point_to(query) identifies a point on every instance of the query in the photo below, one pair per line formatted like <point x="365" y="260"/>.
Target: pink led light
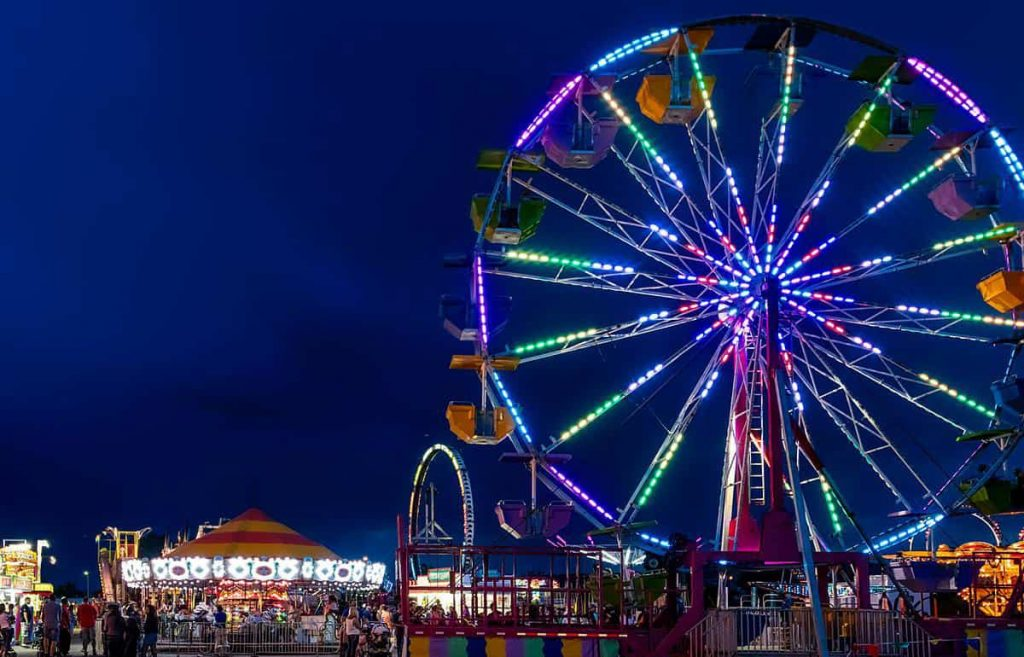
<point x="552" y="105"/>
<point x="481" y="303"/>
<point x="946" y="86"/>
<point x="569" y="485"/>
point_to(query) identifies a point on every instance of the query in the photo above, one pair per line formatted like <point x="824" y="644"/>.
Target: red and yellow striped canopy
<point x="253" y="534"/>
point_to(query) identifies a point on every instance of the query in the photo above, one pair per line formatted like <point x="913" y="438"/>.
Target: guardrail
<point x="726" y="632"/>
<point x="292" y="637"/>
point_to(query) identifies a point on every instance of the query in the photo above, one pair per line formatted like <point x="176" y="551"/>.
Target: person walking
<point x="132" y="632"/>
<point x="352" y="631"/>
<point x="64" y="643"/>
<point x="6" y="631"/>
<point x="150" y="631"/>
<point x="113" y="631"/>
<point x="87" y="625"/>
<point x="50" y="614"/>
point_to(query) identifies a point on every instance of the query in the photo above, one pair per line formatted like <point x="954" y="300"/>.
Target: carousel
<point x="250" y="565"/>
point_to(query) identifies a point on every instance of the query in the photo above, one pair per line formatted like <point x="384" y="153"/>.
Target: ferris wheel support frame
<point x="623" y="225"/>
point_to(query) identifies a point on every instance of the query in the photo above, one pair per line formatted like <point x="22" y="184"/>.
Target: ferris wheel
<point x="789" y="213"/>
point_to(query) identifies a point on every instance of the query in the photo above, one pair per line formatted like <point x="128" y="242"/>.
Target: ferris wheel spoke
<point x="554" y="478"/>
<point x="719" y="181"/>
<point x="674" y="436"/>
<point x="852" y="418"/>
<point x="887" y="264"/>
<point x="882" y="266"/>
<point x="612" y="282"/>
<point x="583" y="422"/>
<point x="660" y="191"/>
<point x="802" y="217"/>
<point x="903" y="318"/>
<point x="568" y="267"/>
<point x="649" y="168"/>
<point x="589" y="338"/>
<point x="772" y="145"/>
<point x="905" y="383"/>
<point x="658" y="245"/>
<point x="897" y="191"/>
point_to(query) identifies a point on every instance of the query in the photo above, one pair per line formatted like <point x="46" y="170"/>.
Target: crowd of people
<point x="362" y="630"/>
<point x="359" y="629"/>
<point x="123" y="631"/>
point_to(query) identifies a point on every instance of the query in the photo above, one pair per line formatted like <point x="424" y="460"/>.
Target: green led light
<point x="560" y="340"/>
<point x="699" y="74"/>
<point x="584" y="421"/>
<point x="659" y="468"/>
<point x="831" y="503"/>
<point x="536" y="257"/>
<point x="959" y="396"/>
<point x="867" y="114"/>
<point x="967" y="317"/>
<point x="1002" y="231"/>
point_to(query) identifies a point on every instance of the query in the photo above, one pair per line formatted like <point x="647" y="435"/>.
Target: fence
<point x="292" y="637"/>
<point x="725" y="632"/>
<point x="495" y="588"/>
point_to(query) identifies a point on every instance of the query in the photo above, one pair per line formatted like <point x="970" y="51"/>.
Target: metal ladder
<point x="756" y="480"/>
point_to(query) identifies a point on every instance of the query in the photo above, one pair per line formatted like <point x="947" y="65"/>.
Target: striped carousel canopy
<point x="251" y="534"/>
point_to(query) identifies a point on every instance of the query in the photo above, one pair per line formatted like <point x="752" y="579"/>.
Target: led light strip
<point x="653" y="153"/>
<point x="964" y="102"/>
<point x="884" y="89"/>
<point x="590" y="417"/>
<point x="1002" y="231"/>
<point x="584" y="421"/>
<point x="481" y="302"/>
<point x="921" y="175"/>
<point x="715" y="261"/>
<point x="644" y="141"/>
<point x="712" y="281"/>
<point x="556" y="341"/>
<point x="665" y="458"/>
<point x="512" y="407"/>
<point x="835" y="327"/>
<point x="801" y="225"/>
<point x="982" y="319"/>
<point x="1009" y="157"/>
<point x="946" y="86"/>
<point x="905" y="534"/>
<point x="920" y="310"/>
<point x="632" y="47"/>
<point x="810" y="255"/>
<point x="819" y="296"/>
<point x="830" y="503"/>
<point x="741" y="212"/>
<point x="836" y="271"/>
<point x="551" y="106"/>
<point x="784" y="116"/>
<point x="565" y="482"/>
<point x="957" y="395"/>
<point x="580" y="493"/>
<point x="805" y="219"/>
<point x="566" y="261"/>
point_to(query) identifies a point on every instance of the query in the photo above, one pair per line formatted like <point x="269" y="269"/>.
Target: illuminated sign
<point x="357" y="572"/>
<point x="18" y="560"/>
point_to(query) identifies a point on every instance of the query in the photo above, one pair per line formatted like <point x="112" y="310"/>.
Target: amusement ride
<point x="813" y="281"/>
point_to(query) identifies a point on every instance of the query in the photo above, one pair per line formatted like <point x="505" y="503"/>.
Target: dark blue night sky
<point x="224" y="225"/>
